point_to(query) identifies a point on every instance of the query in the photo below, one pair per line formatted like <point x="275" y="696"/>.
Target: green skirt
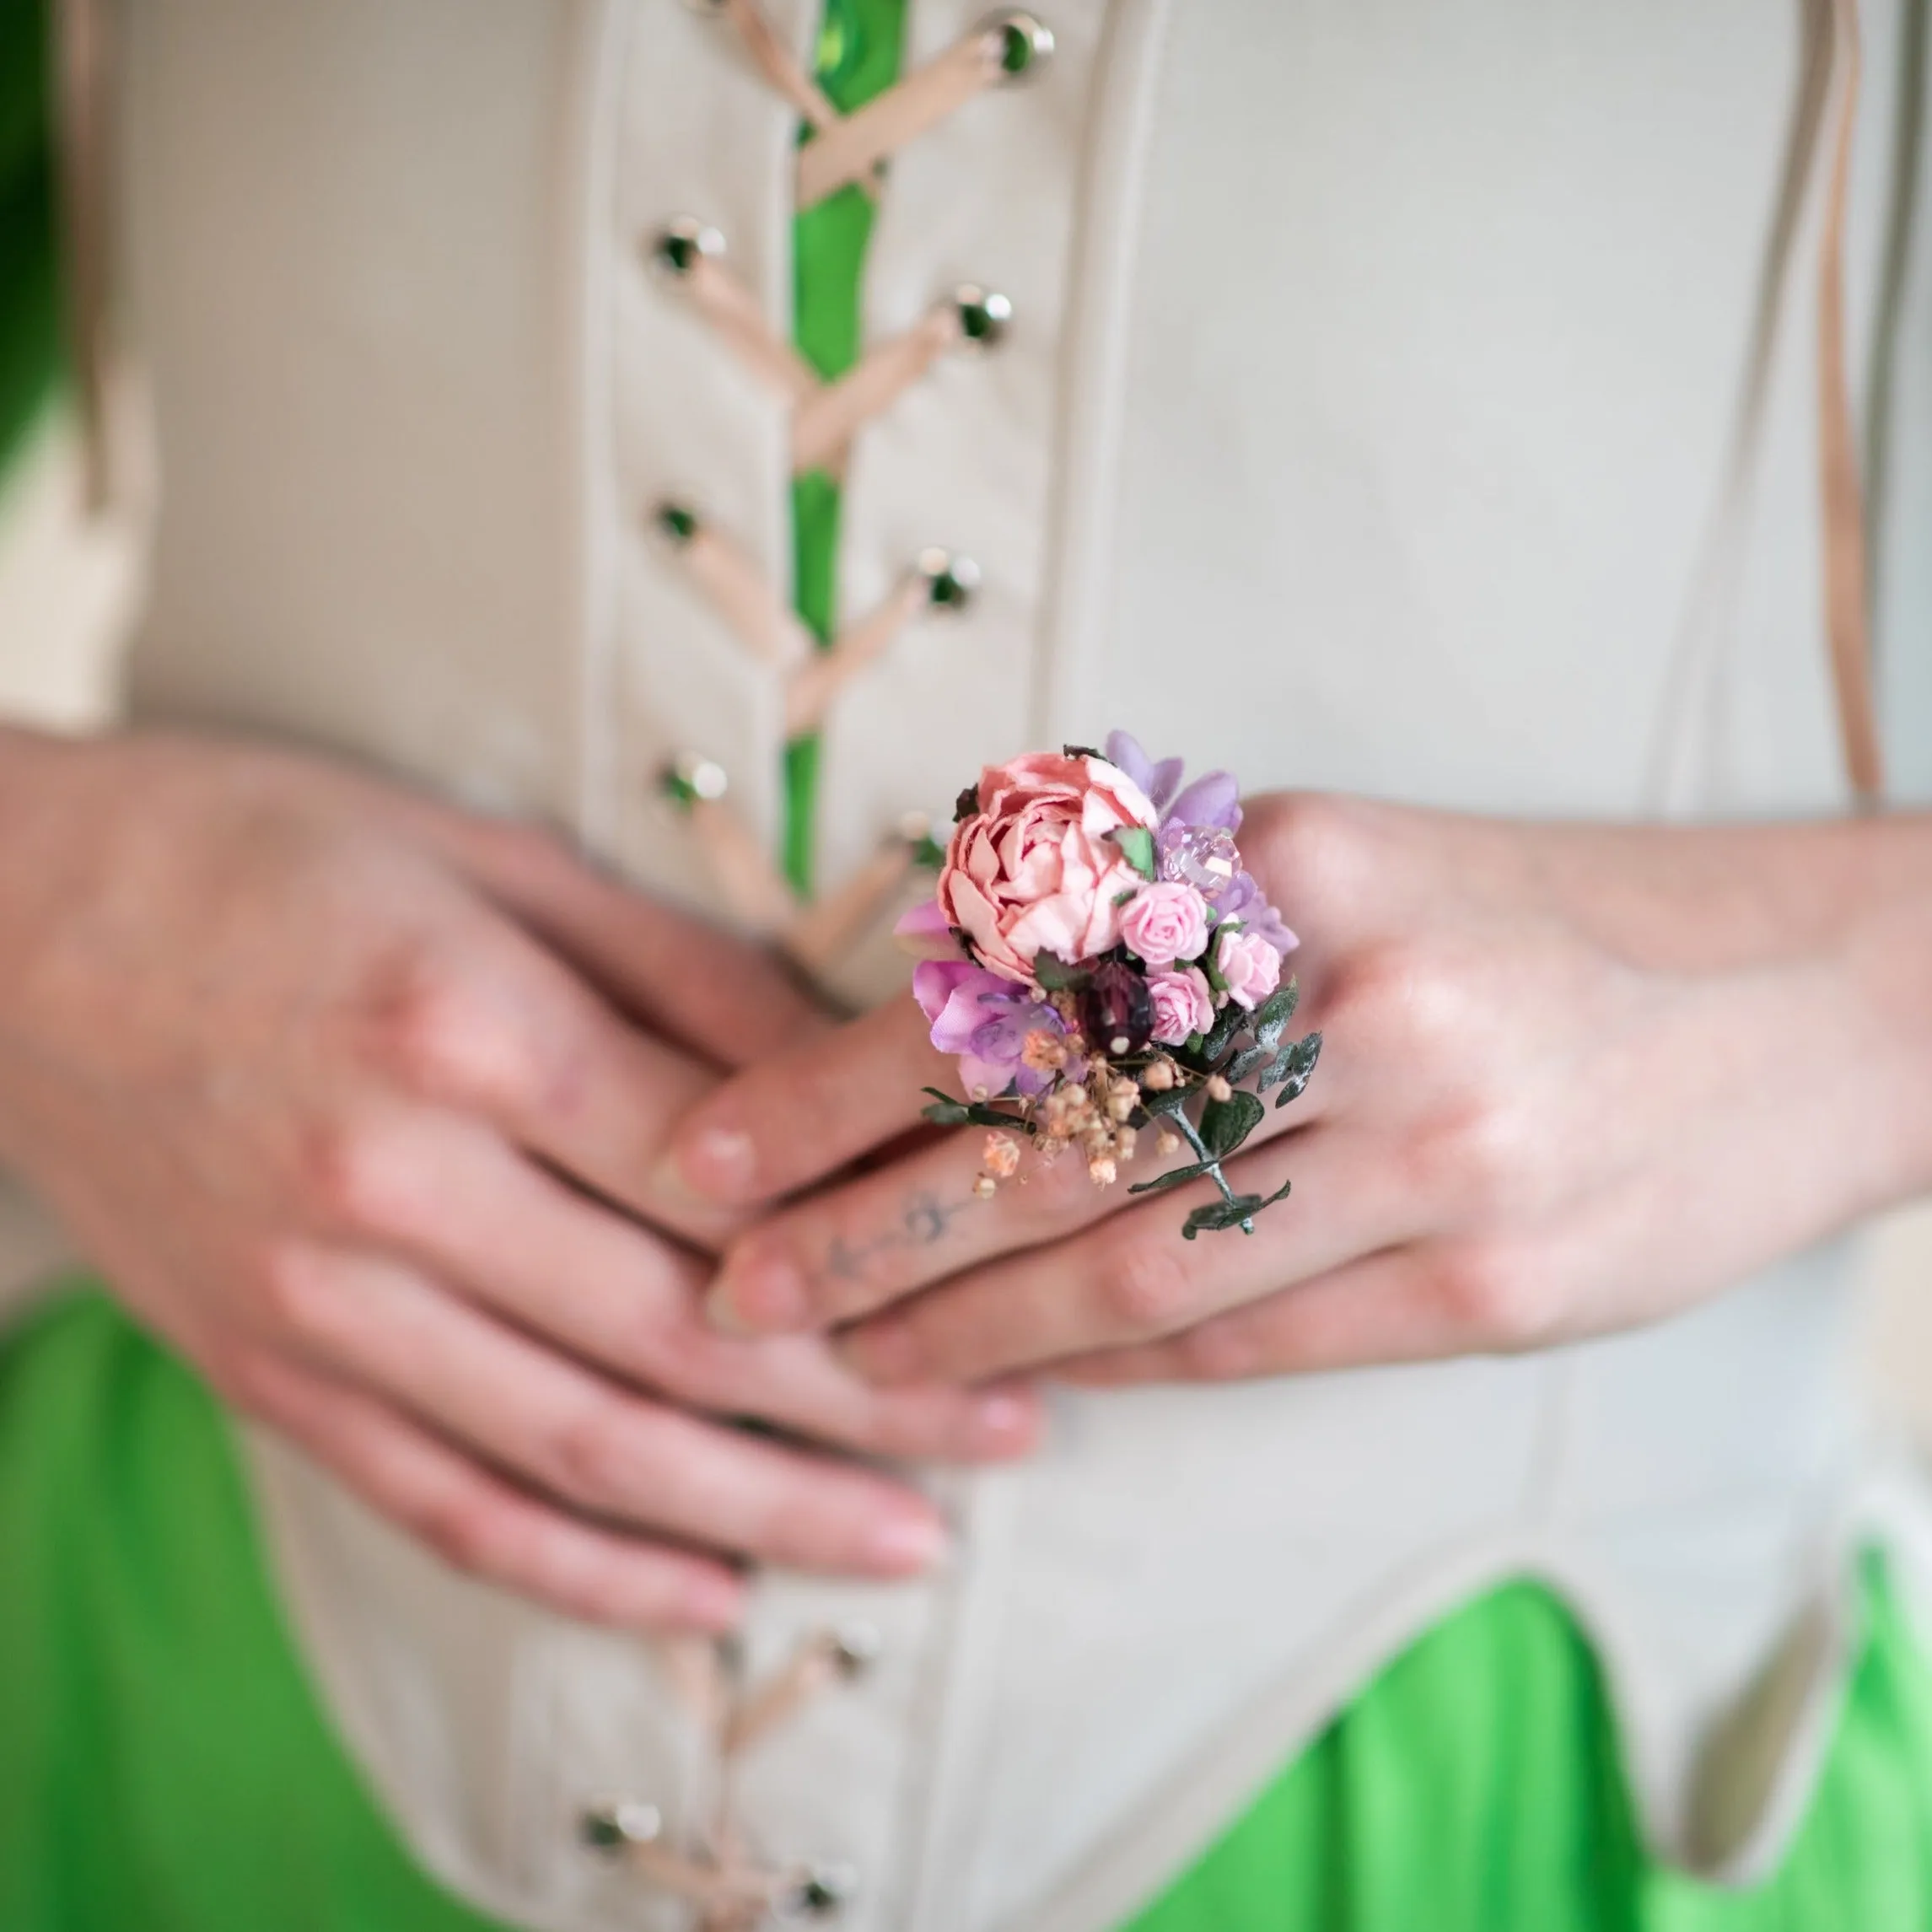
<point x="165" y="1766"/>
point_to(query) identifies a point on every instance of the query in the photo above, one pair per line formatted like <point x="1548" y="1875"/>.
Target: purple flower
<point x="1212" y="799"/>
<point x="984" y="1019"/>
<point x="1195" y="845"/>
<point x="1243" y="901"/>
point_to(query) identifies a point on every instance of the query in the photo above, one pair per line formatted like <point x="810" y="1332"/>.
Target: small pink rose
<point x="1183" y="1005"/>
<point x="1165" y="922"/>
<point x="1249" y="967"/>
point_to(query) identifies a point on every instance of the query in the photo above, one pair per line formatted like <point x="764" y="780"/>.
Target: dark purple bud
<point x="1117" y="1011"/>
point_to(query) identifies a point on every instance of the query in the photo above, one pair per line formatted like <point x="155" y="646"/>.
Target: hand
<point x="354" y="1100"/>
<point x="1575" y="1079"/>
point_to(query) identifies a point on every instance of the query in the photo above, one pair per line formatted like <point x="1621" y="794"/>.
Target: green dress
<point x="165" y="1764"/>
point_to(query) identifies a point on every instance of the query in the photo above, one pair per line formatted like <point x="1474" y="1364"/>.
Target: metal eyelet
<point x="856" y="1647"/>
<point x="613" y="1824"/>
<point x="1026" y="43"/>
<point x="951" y="580"/>
<point x="817" y="1892"/>
<point x="691" y="777"/>
<point x="676" y="522"/>
<point x="681" y="242"/>
<point x="984" y="315"/>
<point x="709" y="9"/>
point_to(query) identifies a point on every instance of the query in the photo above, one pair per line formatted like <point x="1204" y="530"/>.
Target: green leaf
<point x="946" y="1112"/>
<point x="1053" y="973"/>
<point x="1221" y="1035"/>
<point x="1170" y="1101"/>
<point x="1244" y="1062"/>
<point x="1174" y="1177"/>
<point x="1297" y="1063"/>
<point x="1225" y="1124"/>
<point x="1136" y="843"/>
<point x="1217" y="1215"/>
<point x="1275" y="1012"/>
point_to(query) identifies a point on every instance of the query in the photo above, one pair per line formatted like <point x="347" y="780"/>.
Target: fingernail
<point x="902" y="1544"/>
<point x="762" y="1295"/>
<point x="884" y="1352"/>
<point x="717" y="1165"/>
<point x="1003" y="1420"/>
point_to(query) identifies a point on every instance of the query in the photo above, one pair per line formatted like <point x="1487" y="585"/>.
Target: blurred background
<point x="67" y="587"/>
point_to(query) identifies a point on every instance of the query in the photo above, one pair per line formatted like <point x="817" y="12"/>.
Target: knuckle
<point x="348" y="1174"/>
<point x="1146" y="1284"/>
<point x="469" y="1529"/>
<point x="1473" y="1160"/>
<point x="1224" y="1350"/>
<point x="1317" y="843"/>
<point x="1493" y="1295"/>
<point x="589" y="1456"/>
<point x="1414" y="998"/>
<point x="435" y="1037"/>
<point x="292" y="1288"/>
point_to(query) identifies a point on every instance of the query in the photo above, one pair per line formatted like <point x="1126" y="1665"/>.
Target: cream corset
<point x="1397" y="357"/>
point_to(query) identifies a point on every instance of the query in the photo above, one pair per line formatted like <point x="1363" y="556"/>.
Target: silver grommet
<point x="950" y="579"/>
<point x="613" y="1824"/>
<point x="678" y="246"/>
<point x="707" y="7"/>
<point x="818" y="1891"/>
<point x="856" y="1647"/>
<point x="678" y="523"/>
<point x="690" y="778"/>
<point x="1025" y="42"/>
<point x="984" y="315"/>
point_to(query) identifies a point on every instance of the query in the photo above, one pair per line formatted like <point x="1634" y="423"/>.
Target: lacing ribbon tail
<point x="827" y="930"/>
<point x="773" y="59"/>
<point x="735" y="312"/>
<point x="855" y="145"/>
<point x="752" y="885"/>
<point x="820" y="677"/>
<point x="824" y="422"/>
<point x="1848" y="623"/>
<point x="738" y="590"/>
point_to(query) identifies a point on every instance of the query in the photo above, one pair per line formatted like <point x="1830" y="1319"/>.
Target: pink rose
<point x="1182" y="1005"/>
<point x="1165" y="922"/>
<point x="1033" y="870"/>
<point x="1249" y="965"/>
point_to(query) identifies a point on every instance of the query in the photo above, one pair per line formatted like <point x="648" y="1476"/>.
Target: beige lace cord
<point x="825" y="417"/>
<point x="1848" y="624"/>
<point x="733" y="1891"/>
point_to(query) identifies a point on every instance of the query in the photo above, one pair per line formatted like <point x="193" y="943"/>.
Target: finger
<point x="836" y="1256"/>
<point x="792" y="1119"/>
<point x="495" y="1025"/>
<point x="728" y="1000"/>
<point x="1407" y="1305"/>
<point x="477" y="1522"/>
<point x="470" y="1209"/>
<point x="583" y="1440"/>
<point x="1134" y="1278"/>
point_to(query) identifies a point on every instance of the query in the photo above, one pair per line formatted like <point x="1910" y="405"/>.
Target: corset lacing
<point x="844" y="150"/>
<point x="732" y="1889"/>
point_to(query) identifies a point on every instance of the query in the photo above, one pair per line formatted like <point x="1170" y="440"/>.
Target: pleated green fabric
<point x="165" y="1767"/>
